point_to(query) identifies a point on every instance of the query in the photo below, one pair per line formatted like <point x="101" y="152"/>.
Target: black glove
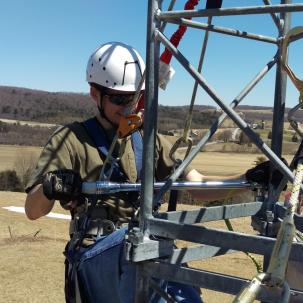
<point x="64" y="185"/>
<point x="213" y="4"/>
<point x="260" y="174"/>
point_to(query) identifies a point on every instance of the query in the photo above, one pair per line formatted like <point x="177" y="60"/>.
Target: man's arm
<point x="36" y="204"/>
<point x="47" y="182"/>
<point x="211" y="194"/>
<point x="63" y="185"/>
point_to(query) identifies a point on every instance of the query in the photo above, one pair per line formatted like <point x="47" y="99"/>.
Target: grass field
<point x="208" y="162"/>
<point x="31" y="267"/>
<point x="12" y="156"/>
<point x="31" y="259"/>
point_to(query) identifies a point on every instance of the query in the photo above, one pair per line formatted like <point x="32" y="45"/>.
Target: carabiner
<point x="177" y="144"/>
<point x="296" y="81"/>
<point x="293" y="122"/>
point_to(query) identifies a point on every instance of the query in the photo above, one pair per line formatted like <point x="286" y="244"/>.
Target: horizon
<point x="168" y="105"/>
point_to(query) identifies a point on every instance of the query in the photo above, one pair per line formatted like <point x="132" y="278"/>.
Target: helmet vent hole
<point x="106" y="81"/>
<point x="90" y="76"/>
<point x="99" y="59"/>
<point x="104" y="68"/>
<point x="92" y="64"/>
<point x="115" y="83"/>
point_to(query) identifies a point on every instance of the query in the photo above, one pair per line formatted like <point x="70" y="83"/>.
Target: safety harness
<point x="83" y="225"/>
<point x="113" y="171"/>
<point x="97" y="134"/>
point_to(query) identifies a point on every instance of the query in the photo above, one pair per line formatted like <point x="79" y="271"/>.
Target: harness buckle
<point x="94" y="227"/>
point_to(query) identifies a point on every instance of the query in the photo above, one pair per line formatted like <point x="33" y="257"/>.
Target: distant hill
<point x="64" y="107"/>
<point x="41" y="106"/>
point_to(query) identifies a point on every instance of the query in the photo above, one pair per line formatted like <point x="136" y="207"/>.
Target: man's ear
<point x="95" y="94"/>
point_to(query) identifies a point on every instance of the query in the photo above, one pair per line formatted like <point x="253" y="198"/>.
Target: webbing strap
<point x="98" y="136"/>
<point x="178" y="34"/>
<point x="138" y="150"/>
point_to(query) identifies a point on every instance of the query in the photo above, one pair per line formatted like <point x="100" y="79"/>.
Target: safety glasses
<point x="121" y="100"/>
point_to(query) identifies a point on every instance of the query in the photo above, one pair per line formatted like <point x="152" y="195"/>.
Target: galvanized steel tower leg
<point x="278" y="121"/>
<point x="279" y="103"/>
<point x="151" y="104"/>
<point x="150" y="125"/>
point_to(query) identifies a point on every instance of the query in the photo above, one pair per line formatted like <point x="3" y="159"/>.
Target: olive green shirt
<point x="71" y="147"/>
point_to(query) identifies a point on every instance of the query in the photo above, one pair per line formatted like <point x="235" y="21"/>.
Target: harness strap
<point x="98" y="136"/>
<point x="175" y="39"/>
<point x="97" y="227"/>
<point x="138" y="150"/>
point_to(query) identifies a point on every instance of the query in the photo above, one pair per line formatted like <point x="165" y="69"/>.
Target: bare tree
<point x="225" y="135"/>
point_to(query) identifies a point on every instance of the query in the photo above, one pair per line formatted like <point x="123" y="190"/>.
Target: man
<point x="96" y="263"/>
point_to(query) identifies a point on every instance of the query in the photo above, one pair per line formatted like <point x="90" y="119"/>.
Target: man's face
<point x="118" y="104"/>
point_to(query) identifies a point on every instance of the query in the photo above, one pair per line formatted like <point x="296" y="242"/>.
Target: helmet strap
<point x="102" y="113"/>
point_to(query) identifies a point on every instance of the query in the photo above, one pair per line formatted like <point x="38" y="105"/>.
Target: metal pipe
<point x="293" y="122"/>
<point x="275" y="18"/>
<point x="213" y="129"/>
<point x="170" y="8"/>
<point x="229" y="11"/>
<point x="220" y="238"/>
<point x="103" y="188"/>
<point x="250" y="292"/>
<point x="209" y="280"/>
<point x="280" y="255"/>
<point x="275" y="275"/>
<point x="150" y="107"/>
<point x="231" y="113"/>
<point x="224" y="30"/>
<point x="279" y="108"/>
<point x="296" y="37"/>
<point x="285" y="293"/>
<point x="161" y="292"/>
<point x="195" y="88"/>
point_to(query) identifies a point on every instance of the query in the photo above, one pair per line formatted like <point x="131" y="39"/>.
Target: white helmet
<point x="117" y="66"/>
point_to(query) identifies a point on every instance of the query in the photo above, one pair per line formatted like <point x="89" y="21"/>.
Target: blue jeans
<point x="104" y="276"/>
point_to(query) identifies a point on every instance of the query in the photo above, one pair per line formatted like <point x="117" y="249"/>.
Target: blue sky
<point x="46" y="44"/>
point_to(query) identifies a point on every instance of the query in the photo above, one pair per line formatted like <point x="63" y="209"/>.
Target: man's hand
<point x="261" y="173"/>
<point x="64" y="185"/>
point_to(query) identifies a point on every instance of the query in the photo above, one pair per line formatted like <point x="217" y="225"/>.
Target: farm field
<point x="31" y="259"/>
<point x="30" y="123"/>
<point x="215" y="163"/>
<point x="12" y="156"/>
